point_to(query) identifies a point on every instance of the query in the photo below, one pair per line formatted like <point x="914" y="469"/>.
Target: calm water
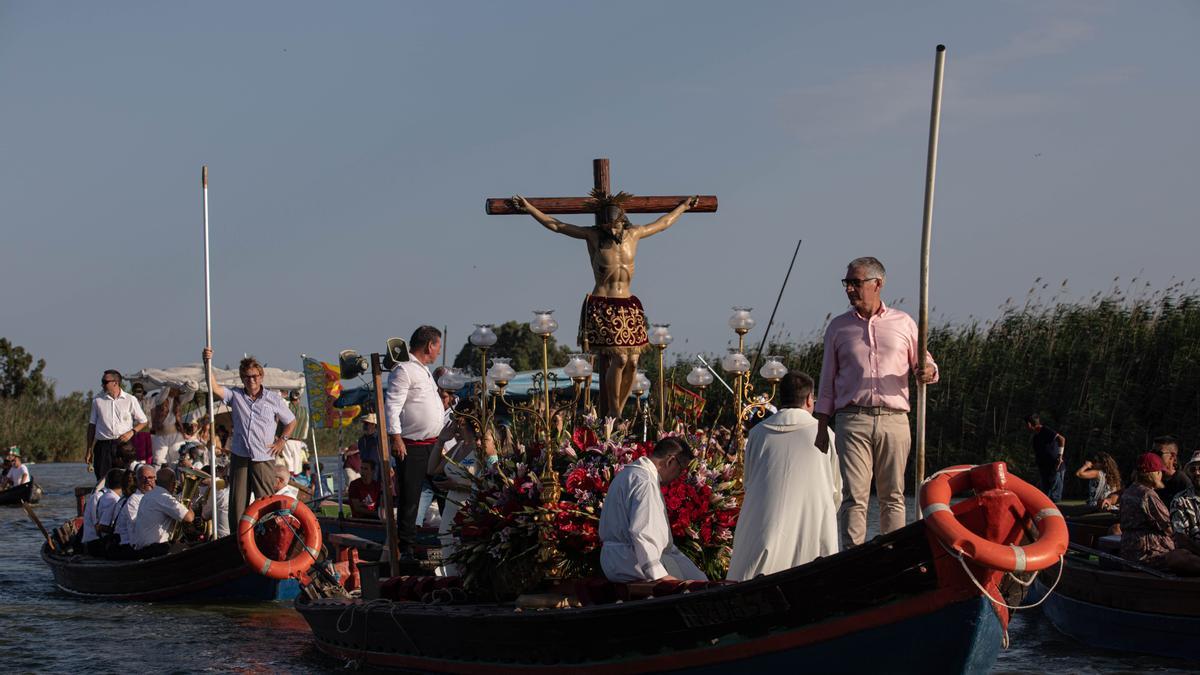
<point x="46" y="630"/>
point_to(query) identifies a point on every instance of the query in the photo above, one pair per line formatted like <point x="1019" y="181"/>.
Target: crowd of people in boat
<point x="137" y="510"/>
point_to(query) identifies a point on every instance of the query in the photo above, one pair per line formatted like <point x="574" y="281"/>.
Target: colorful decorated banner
<point x="685" y="403"/>
<point x="323" y="383"/>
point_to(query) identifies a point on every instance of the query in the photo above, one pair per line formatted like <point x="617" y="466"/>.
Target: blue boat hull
<point x="1123" y="630"/>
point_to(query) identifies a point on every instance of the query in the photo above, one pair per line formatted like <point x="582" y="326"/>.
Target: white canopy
<point x="188" y="378"/>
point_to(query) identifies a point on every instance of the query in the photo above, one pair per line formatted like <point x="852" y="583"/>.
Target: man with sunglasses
<point x="116" y="417"/>
<point x="257" y="412"/>
<point x="869" y="353"/>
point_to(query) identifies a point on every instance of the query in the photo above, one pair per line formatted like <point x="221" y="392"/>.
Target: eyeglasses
<point x="147" y="479"/>
<point x="857" y="283"/>
<point x="252" y="377"/>
<point x="109" y="381"/>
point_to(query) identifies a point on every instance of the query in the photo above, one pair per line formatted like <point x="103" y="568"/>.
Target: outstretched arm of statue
<point x="550" y="223"/>
<point x="667" y="220"/>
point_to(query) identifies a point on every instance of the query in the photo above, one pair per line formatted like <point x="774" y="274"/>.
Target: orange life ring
<point x="279" y="569"/>
<point x="1052" y="538"/>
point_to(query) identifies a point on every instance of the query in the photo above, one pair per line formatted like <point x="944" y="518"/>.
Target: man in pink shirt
<point x="869" y="353"/>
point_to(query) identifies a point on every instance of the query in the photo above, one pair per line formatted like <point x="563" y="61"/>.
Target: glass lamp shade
<point x="641" y="383"/>
<point x="483" y="335"/>
<point x="741" y="321"/>
<point x="699" y="377"/>
<point x="773" y="370"/>
<point x="735" y="362"/>
<point x="578" y="367"/>
<point x="501" y="371"/>
<point x="451" y="380"/>
<point x="660" y="334"/>
<point x="543" y="322"/>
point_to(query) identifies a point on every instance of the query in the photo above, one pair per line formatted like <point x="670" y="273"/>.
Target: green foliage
<point x="514" y="340"/>
<point x="47" y="429"/>
<point x="18" y="376"/>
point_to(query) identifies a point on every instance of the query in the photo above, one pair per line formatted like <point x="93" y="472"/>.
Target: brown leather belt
<point x="874" y="411"/>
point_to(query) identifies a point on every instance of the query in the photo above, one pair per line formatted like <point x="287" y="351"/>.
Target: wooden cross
<point x="600" y="179"/>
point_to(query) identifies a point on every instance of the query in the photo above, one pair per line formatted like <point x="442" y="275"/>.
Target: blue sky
<point x="351" y="146"/>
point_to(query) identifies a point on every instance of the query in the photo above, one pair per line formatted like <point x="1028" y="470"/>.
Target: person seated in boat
<point x="365" y="492"/>
<point x="1185" y="509"/>
<point x="107" y="512"/>
<point x="283" y="480"/>
<point x="793" y="489"/>
<point x="205" y="505"/>
<point x="18" y="473"/>
<point x="1174" y="480"/>
<point x="1146" y="533"/>
<point x="158" y="511"/>
<point x="145" y="478"/>
<point x="1104" y="488"/>
<point x="635" y="533"/>
<point x="90" y="517"/>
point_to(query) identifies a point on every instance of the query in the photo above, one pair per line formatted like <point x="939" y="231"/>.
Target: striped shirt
<point x="1185" y="514"/>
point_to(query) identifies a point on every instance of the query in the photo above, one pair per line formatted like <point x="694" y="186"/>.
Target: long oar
<point x="935" y="123"/>
<point x="771" y="321"/>
<point x="38" y="521"/>
<point x="212" y="417"/>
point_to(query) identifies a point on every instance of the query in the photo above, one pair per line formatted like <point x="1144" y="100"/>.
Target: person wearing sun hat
<point x="18" y="473"/>
<point x="1146" y="533"/>
<point x="1185" y="509"/>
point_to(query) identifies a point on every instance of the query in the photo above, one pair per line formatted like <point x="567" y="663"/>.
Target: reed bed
<point x="1110" y="372"/>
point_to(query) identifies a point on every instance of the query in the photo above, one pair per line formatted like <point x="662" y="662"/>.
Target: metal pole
<point x="778" y="298"/>
<point x="212" y="417"/>
<point x="385" y="468"/>
<point x="935" y="122"/>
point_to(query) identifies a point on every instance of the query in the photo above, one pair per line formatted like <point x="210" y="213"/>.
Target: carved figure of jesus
<point x="613" y="323"/>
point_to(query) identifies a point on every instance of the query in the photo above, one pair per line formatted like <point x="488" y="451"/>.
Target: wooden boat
<point x="901" y="603"/>
<point x="30" y="493"/>
<point x="1106" y="603"/>
<point x="208" y="571"/>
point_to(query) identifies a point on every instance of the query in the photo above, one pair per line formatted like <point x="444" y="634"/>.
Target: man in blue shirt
<point x="257" y="412"/>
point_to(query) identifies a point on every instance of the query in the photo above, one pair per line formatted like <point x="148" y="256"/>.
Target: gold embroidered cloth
<point x="612" y="325"/>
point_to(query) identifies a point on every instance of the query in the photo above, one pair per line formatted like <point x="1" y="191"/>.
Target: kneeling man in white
<point x="793" y="490"/>
<point x="634" y="531"/>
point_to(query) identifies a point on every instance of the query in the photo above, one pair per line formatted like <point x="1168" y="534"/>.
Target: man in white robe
<point x="634" y="530"/>
<point x="793" y="490"/>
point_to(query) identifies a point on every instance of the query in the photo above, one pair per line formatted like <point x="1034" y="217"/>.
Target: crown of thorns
<point x="602" y="200"/>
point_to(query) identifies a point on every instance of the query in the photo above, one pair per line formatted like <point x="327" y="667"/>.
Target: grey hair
<point x="870" y="265"/>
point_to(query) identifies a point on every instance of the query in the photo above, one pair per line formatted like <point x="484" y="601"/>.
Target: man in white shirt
<point x="116" y="417"/>
<point x="414" y="420"/>
<point x="127" y="512"/>
<point x="635" y="533"/>
<point x="158" y="512"/>
<point x="106" y="510"/>
<point x="91" y="515"/>
<point x="793" y="489"/>
<point x="18" y="473"/>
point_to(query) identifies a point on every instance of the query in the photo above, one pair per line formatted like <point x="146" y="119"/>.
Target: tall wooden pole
<point x="935" y="123"/>
<point x="212" y="415"/>
<point x="385" y="468"/>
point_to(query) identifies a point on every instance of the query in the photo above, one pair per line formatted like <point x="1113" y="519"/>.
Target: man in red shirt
<point x="365" y="493"/>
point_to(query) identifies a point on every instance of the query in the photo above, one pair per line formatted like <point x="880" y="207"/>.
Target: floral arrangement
<point x="509" y="539"/>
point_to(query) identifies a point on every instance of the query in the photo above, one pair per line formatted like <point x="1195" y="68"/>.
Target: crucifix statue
<point x="612" y="324"/>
